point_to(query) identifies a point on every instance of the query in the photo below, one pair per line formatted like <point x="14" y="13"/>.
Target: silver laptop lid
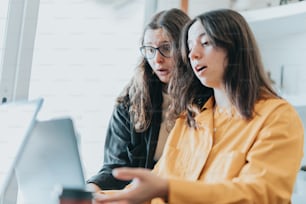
<point x="16" y="121"/>
<point x="50" y="160"/>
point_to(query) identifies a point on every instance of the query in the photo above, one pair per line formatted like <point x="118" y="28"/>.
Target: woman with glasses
<point x="138" y="129"/>
<point x="244" y="145"/>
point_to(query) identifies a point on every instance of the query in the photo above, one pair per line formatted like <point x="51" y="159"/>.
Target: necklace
<point x="229" y="111"/>
<point x="223" y="119"/>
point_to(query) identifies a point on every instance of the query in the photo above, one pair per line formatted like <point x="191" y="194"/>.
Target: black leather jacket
<point x="125" y="147"/>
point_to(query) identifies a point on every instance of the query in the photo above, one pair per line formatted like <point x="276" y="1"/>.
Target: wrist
<point x="164" y="189"/>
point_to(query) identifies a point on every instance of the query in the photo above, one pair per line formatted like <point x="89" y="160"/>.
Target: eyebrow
<point x="199" y="36"/>
<point x="202" y="34"/>
<point x="159" y="43"/>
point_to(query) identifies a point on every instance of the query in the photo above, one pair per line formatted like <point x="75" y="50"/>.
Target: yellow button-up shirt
<point x="239" y="161"/>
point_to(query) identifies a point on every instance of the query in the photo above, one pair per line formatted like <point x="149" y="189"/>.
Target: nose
<point x="194" y="53"/>
<point x="158" y="58"/>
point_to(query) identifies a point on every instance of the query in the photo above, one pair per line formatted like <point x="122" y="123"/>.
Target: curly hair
<point x="143" y="94"/>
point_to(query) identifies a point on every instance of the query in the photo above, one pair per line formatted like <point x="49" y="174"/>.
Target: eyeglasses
<point x="149" y="52"/>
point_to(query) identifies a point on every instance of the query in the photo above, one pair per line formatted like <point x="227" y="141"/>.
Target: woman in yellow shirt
<point x="242" y="145"/>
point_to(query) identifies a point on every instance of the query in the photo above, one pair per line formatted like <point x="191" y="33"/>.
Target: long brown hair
<point x="245" y="78"/>
<point x="143" y="94"/>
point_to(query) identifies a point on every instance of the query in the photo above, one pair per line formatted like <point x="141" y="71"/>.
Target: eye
<point x="166" y="47"/>
<point x="150" y="50"/>
<point x="205" y="43"/>
<point x="204" y="40"/>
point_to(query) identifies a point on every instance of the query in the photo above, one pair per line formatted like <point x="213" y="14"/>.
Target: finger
<point x="130" y="173"/>
<point x="114" y="198"/>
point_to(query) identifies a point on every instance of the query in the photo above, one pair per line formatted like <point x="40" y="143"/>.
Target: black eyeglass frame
<point x="142" y="51"/>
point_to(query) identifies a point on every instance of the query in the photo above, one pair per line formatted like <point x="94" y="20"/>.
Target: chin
<point x="204" y="83"/>
<point x="164" y="80"/>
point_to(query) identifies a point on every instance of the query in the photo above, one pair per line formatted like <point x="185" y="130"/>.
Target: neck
<point x="221" y="98"/>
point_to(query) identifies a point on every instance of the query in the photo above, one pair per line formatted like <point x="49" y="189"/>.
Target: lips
<point x="200" y="68"/>
<point x="162" y="71"/>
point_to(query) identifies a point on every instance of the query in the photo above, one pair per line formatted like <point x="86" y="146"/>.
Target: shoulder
<point x="273" y="104"/>
<point x="121" y="109"/>
<point x="276" y="108"/>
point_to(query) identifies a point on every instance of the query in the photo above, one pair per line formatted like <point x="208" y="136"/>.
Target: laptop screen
<point x="16" y="120"/>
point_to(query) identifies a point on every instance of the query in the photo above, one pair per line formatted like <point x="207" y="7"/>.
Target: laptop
<point x="50" y="161"/>
<point x="16" y="121"/>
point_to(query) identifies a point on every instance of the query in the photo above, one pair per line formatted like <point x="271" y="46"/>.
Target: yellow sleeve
<point x="268" y="176"/>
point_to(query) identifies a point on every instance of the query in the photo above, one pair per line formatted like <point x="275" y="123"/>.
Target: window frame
<point x="18" y="44"/>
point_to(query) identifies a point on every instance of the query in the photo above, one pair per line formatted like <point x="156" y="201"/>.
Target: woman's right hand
<point x="144" y="187"/>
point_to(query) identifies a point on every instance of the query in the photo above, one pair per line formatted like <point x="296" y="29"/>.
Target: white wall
<point x="197" y="7"/>
<point x="290" y="53"/>
<point x="85" y="52"/>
